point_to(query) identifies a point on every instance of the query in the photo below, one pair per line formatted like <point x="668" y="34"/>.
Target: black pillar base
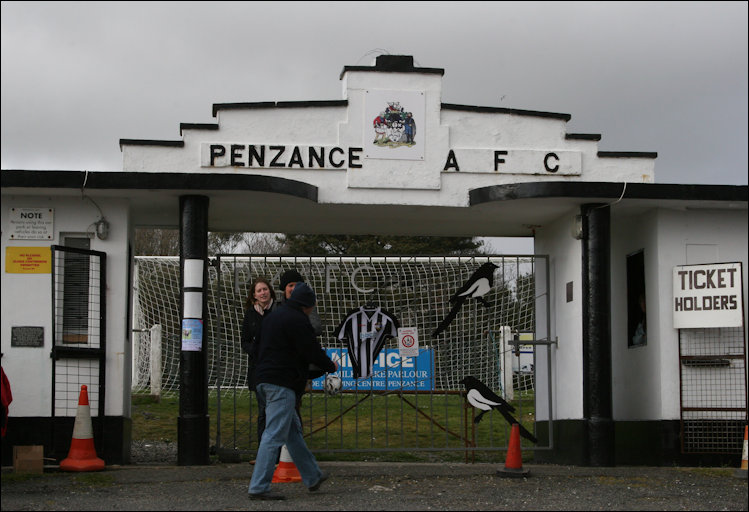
<point x="192" y="439"/>
<point x="601" y="446"/>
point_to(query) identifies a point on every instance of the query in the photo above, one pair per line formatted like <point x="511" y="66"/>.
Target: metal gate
<point x="407" y="405"/>
<point x="79" y="338"/>
<point x="713" y="389"/>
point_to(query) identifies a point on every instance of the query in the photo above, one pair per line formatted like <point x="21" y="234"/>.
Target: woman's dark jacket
<point x="250" y="334"/>
<point x="287" y="346"/>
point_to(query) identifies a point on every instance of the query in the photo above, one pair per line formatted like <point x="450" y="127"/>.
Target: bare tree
<point x="165" y="242"/>
<point x="156" y="242"/>
<point x="379" y="244"/>
<point x="263" y="243"/>
<point x="224" y="242"/>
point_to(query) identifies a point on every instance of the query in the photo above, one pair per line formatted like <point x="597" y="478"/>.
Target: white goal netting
<point x="415" y="289"/>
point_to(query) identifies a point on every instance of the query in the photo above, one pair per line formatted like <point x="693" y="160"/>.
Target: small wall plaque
<point x="31" y="223"/>
<point x="27" y="336"/>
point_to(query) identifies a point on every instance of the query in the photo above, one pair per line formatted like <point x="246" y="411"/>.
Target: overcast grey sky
<point x="668" y="77"/>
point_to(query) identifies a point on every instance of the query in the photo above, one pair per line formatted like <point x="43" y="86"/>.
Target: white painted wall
<point x="636" y="371"/>
<point x="26" y="301"/>
<point x="566" y="321"/>
<point x="391" y="181"/>
<point x="678" y="233"/>
<point x="646" y="378"/>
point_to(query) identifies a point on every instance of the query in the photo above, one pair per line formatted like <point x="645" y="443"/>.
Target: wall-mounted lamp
<point x="577" y="228"/>
<point x="102" y="228"/>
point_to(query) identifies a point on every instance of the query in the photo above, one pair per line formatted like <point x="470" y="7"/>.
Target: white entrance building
<point x="390" y="158"/>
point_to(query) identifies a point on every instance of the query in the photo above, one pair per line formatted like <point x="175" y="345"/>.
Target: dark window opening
<point x="75" y="304"/>
<point x="636" y="305"/>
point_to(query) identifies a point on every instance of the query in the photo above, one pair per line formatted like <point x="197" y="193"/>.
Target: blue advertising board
<point x="388" y="372"/>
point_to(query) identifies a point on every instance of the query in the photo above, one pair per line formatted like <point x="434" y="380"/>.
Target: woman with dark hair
<point x="260" y="302"/>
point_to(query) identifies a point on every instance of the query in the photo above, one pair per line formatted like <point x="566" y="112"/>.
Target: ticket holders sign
<point x="708" y="296"/>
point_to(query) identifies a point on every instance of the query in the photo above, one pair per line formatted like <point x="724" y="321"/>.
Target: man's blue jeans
<point x="282" y="427"/>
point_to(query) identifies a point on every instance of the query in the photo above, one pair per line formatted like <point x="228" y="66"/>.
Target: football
<point x="332" y="384"/>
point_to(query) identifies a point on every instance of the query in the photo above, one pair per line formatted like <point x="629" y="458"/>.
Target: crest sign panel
<point x="394" y="125"/>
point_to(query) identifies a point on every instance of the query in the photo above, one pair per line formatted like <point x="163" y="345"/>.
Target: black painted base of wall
<point x="55" y="434"/>
<point x="636" y="443"/>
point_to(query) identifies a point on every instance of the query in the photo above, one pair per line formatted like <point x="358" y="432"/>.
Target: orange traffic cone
<point x="514" y="461"/>
<point x="82" y="454"/>
<point x="742" y="471"/>
<point x="286" y="471"/>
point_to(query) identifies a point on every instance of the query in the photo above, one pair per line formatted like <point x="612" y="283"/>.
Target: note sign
<point x="31" y="223"/>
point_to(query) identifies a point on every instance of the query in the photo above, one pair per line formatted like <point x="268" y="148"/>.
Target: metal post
<point x="192" y="424"/>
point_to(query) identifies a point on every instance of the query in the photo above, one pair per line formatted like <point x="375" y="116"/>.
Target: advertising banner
<point x="389" y="371"/>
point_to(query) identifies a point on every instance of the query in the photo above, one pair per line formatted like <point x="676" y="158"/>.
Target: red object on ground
<point x="82" y="454"/>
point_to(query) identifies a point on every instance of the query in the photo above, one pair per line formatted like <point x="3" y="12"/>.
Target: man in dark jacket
<point x="289" y="279"/>
<point x="287" y="348"/>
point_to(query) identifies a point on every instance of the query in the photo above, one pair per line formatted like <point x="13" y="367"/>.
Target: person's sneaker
<point x="267" y="495"/>
<point x="317" y="485"/>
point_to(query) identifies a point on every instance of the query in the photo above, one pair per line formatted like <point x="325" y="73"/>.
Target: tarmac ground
<point x="368" y="486"/>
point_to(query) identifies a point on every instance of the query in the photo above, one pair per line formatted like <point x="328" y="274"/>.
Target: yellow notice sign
<point x="28" y="260"/>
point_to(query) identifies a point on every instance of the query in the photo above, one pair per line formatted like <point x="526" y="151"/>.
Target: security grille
<point x="713" y="389"/>
<point x="78" y="331"/>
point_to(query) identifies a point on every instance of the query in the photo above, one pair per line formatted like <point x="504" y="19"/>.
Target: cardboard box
<point x="28" y="459"/>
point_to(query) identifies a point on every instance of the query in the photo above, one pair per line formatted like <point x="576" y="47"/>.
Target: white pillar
<point x="506" y="349"/>
<point x="156" y="360"/>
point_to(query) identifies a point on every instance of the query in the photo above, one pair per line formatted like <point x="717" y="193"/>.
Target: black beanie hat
<point x="290" y="276"/>
<point x="303" y="295"/>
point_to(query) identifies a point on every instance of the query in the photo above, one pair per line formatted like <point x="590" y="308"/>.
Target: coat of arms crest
<point x="394" y="127"/>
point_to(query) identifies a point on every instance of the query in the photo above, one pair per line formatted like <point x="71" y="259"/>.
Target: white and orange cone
<point x="514" y="460"/>
<point x="82" y="454"/>
<point x="286" y="471"/>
